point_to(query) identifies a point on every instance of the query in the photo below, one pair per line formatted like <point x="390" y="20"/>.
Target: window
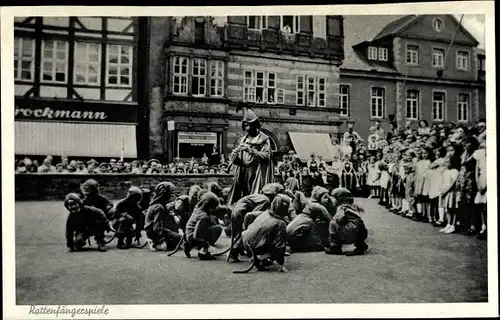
<point x="438" y="25"/>
<point x="257" y="22"/>
<point x="290" y="24"/>
<point x="24" y="59"/>
<point x="462" y="60"/>
<point x="372" y="53"/>
<point x="377" y="102"/>
<point x="119" y="67"/>
<point x="438" y="106"/>
<point x="311" y="91"/>
<point x="249" y="86"/>
<point x="217" y="78"/>
<point x="55" y="61"/>
<point x="87" y="63"/>
<point x="438" y="58"/>
<point x="300" y="91"/>
<point x="321" y="92"/>
<point x="199" y="77"/>
<point x="412" y="103"/>
<point x="481" y="64"/>
<point x="411" y="55"/>
<point x="463" y="107"/>
<point x="260" y="87"/>
<point x="271" y="87"/>
<point x="383" y="54"/>
<point x="344" y="100"/>
<point x="180" y="75"/>
<point x="280" y="96"/>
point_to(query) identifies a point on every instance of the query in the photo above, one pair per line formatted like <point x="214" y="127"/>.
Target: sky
<point x="474" y="23"/>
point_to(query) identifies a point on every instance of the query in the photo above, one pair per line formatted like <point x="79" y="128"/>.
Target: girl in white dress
<point x="450" y="195"/>
<point x="373" y="176"/>
<point x="421" y="171"/>
<point x="433" y="185"/>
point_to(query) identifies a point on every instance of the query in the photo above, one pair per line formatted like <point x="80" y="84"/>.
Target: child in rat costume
<point x="200" y="228"/>
<point x="159" y="227"/>
<point x="266" y="236"/>
<point x="124" y="214"/>
<point x="302" y="232"/>
<point x="82" y="223"/>
<point x="250" y="203"/>
<point x="92" y="197"/>
<point x="346" y="226"/>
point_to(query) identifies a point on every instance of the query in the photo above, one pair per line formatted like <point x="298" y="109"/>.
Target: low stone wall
<point x="56" y="186"/>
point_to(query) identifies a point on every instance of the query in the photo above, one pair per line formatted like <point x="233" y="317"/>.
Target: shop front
<point x="196" y="144"/>
<point x="75" y="128"/>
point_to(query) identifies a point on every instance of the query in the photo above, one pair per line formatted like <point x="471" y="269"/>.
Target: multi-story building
<point x="410" y="68"/>
<point x="204" y="69"/>
<point x="77" y="89"/>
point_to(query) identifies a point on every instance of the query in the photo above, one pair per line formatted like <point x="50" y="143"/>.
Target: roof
<point x="481" y="52"/>
<point x="368" y="28"/>
<point x="356" y="31"/>
<point x="394" y="26"/>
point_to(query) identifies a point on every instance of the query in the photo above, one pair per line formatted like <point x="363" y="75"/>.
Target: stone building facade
<point x="204" y="70"/>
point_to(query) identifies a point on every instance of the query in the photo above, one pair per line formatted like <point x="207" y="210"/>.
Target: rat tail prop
<point x="232" y="242"/>
<point x="178" y="246"/>
<point x="254" y="259"/>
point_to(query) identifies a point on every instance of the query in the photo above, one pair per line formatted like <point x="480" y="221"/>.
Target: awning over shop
<point x="306" y="143"/>
<point x="75" y="139"/>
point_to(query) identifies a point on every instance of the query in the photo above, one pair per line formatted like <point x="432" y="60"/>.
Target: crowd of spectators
<point x="433" y="174"/>
<point x="204" y="165"/>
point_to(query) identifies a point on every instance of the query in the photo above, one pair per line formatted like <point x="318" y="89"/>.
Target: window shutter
<point x="305" y="24"/>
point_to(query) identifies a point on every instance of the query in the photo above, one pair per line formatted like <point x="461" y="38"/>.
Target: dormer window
<point x="438" y="24"/>
<point x="372" y="53"/>
<point x="383" y="54"/>
<point x="257" y="22"/>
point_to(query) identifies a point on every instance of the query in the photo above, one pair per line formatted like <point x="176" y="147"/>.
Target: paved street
<point x="408" y="262"/>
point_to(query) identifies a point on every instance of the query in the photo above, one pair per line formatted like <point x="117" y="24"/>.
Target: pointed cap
<point x="249" y="116"/>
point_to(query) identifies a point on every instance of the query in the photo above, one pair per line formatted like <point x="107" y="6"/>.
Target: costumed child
<point x="160" y="230"/>
<point x="92" y="197"/>
<point x="302" y="232"/>
<point x="124" y="214"/>
<point x="450" y="195"/>
<point x="266" y="236"/>
<point x="82" y="223"/>
<point x="252" y="203"/>
<point x="201" y="231"/>
<point x="346" y="226"/>
<point x="373" y="176"/>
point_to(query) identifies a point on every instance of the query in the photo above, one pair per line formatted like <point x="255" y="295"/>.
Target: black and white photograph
<point x="302" y="157"/>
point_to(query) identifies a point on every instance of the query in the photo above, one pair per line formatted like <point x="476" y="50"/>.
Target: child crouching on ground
<point x="346" y="226"/>
<point x="83" y="222"/>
